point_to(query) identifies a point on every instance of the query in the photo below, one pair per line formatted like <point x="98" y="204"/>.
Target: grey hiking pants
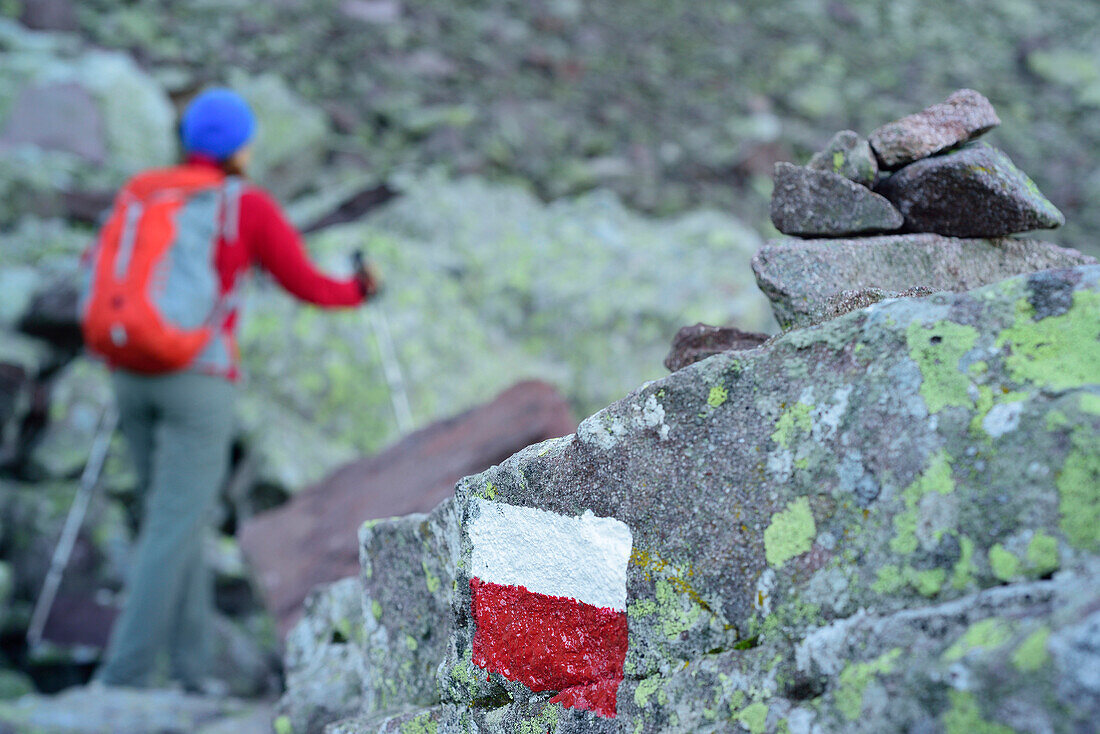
<point x="178" y="427"/>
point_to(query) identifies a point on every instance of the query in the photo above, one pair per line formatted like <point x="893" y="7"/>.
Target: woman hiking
<point x="161" y="309"/>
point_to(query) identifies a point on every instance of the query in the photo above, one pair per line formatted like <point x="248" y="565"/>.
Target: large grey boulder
<point x="812" y="203"/>
<point x="851" y="528"/>
<point x="804" y="278"/>
<point x="973" y="192"/>
<point x="898" y="458"/>
<point x="963" y="116"/>
<point x="849" y="155"/>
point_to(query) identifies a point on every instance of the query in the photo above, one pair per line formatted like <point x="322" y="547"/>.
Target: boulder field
<point x="884" y="522"/>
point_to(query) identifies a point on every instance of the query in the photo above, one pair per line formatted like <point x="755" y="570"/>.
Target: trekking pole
<point x="391" y="367"/>
<point x="108" y="420"/>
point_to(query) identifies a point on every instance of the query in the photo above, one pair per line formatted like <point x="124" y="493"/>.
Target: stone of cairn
<point x="919" y="206"/>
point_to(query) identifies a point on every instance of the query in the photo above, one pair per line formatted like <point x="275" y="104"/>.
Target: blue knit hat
<point x="218" y="123"/>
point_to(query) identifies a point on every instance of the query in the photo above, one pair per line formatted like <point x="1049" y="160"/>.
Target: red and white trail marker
<point x="549" y="601"/>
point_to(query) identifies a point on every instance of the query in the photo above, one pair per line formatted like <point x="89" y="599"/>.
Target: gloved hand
<point x="366" y="276"/>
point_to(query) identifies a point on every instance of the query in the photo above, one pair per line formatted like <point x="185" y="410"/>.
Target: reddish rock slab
<point x="963" y="116"/>
<point x="312" y="539"/>
<point x="694" y="343"/>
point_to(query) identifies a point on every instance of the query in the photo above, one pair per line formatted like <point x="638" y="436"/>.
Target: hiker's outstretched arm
<point x="278" y="247"/>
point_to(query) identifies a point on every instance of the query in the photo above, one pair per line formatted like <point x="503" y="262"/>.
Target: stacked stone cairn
<point x="919" y="206"/>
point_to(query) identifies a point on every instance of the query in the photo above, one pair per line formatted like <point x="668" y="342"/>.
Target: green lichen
<point x="1042" y="553"/>
<point x="1032" y="653"/>
<point x="1090" y="403"/>
<point x="1079" y="491"/>
<point x="376" y="610"/>
<point x="677" y="612"/>
<point x="754" y="717"/>
<point x="546" y="721"/>
<point x="986" y="634"/>
<point x="791" y="532"/>
<point x="937" y="350"/>
<point x="965" y="717"/>
<point x="854" y="680"/>
<point x="466" y="675"/>
<point x="282" y="725"/>
<point x="797" y="418"/>
<point x="488" y="492"/>
<point x="981" y="410"/>
<point x="1056" y="419"/>
<point x="430" y="579"/>
<point x="1057" y="352"/>
<point x="838" y="161"/>
<point x="936" y="478"/>
<point x="929" y="582"/>
<point x="646" y="688"/>
<point x="410" y="643"/>
<point x="1004" y="564"/>
<point x="963" y="572"/>
<point x="717" y="396"/>
<point x="641" y="608"/>
<point x="890" y="580"/>
<point x="420" y="724"/>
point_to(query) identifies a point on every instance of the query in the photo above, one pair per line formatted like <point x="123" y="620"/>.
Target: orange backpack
<point x="153" y="300"/>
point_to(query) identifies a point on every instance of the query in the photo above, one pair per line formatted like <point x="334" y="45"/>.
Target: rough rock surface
<point x="407" y="581"/>
<point x="973" y="192"/>
<point x="888" y="522"/>
<point x="849" y="155"/>
<point x="963" y="116"/>
<point x="93" y="710"/>
<point x="694" y="343"/>
<point x="801" y="278"/>
<point x="810" y="203"/>
<point x="847" y="301"/>
<point x="311" y="540"/>
<point x="325" y="666"/>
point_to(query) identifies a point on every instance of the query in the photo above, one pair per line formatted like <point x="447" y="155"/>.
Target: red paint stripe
<point x="550" y="643"/>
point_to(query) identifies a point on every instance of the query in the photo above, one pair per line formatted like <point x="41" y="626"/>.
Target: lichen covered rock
<point x="804" y="279"/>
<point x="863" y="511"/>
<point x="973" y="192"/>
<point x="817" y="203"/>
<point x="849" y="155"/>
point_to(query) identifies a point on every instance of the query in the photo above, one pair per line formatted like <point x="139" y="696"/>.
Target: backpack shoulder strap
<point x="231" y="208"/>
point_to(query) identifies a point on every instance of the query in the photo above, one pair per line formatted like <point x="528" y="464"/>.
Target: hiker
<point x="161" y="310"/>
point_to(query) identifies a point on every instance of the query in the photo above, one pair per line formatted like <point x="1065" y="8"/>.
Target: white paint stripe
<point x="582" y="558"/>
